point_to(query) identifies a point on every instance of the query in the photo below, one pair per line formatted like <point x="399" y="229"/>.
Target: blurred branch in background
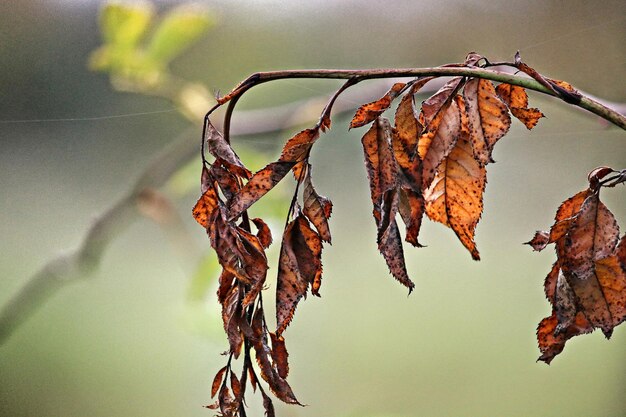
<point x="138" y="63"/>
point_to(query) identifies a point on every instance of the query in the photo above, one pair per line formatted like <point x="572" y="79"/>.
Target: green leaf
<point x="123" y="25"/>
<point x="177" y="31"/>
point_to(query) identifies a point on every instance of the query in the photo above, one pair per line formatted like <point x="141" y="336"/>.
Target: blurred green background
<point x="143" y="336"/>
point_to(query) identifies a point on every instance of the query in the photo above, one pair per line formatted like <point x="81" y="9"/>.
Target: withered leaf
<point x="435" y="144"/>
<point x="268" y="406"/>
<point x="516" y="99"/>
<point x="552" y="343"/>
<point x="437" y="104"/>
<point x="217" y="381"/>
<point x="455" y="197"/>
<point x="488" y="117"/>
<point x="591" y="239"/>
<point x="236" y="386"/>
<point x="230" y="316"/>
<point x="263" y="232"/>
<point x="280" y="355"/>
<point x="381" y="166"/>
<point x="260" y="183"/>
<point x="300" y="265"/>
<point x="411" y="208"/>
<point x="220" y="149"/>
<point x="317" y="208"/>
<point x="228" y="405"/>
<point x="390" y="246"/>
<point x="370" y="111"/>
<point x="297" y="148"/>
<point x="278" y="385"/>
<point x="227" y="181"/>
<point x="562" y="222"/>
<point x="204" y="207"/>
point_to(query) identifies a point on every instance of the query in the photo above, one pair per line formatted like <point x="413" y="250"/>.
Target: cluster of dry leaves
<point x="587" y="283"/>
<point x="430" y="162"/>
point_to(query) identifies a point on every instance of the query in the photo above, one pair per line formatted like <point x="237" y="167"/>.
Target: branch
<point x="584" y="102"/>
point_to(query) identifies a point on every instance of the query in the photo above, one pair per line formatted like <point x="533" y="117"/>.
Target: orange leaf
<point x="550" y="343"/>
<point x="370" y="111"/>
<point x="264" y="234"/>
<point x="516" y="99"/>
<point x="488" y="117"/>
<point x="297" y="148"/>
<point x="455" y="197"/>
<point x="435" y="145"/>
<point x="204" y="207"/>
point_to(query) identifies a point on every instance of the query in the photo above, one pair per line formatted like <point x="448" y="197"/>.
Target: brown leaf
<point x="551" y="343"/>
<point x="217" y="381"/>
<point x="252" y="376"/>
<point x="227" y="181"/>
<point x="228" y="405"/>
<point x="488" y="117"/>
<point x="370" y="111"/>
<point x="411" y="208"/>
<point x="204" y="207"/>
<point x="269" y="373"/>
<point x="236" y="386"/>
<point x="263" y="232"/>
<point x="230" y="316"/>
<point x="280" y="355"/>
<point x="317" y="208"/>
<point x="381" y="166"/>
<point x="516" y="99"/>
<point x="297" y="148"/>
<point x="455" y="197"/>
<point x="260" y="183"/>
<point x="390" y="246"/>
<point x="300" y="265"/>
<point x="437" y="104"/>
<point x="220" y="149"/>
<point x="562" y="222"/>
<point x="435" y="145"/>
<point x="268" y="406"/>
<point x="549" y="285"/>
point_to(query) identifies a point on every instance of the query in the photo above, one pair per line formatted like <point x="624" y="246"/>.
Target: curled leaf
<point x="370" y="111"/>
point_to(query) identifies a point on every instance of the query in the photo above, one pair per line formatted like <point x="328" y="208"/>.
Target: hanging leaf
<point x="455" y="197"/>
<point x="203" y="209"/>
<point x="259" y="185"/>
<point x="370" y="111"/>
<point x="280" y="355"/>
<point x="516" y="99"/>
<point x="298" y="147"/>
<point x="435" y="145"/>
<point x="488" y="117"/>
<point x="316" y="208"/>
<point x="217" y="381"/>
<point x="300" y="265"/>
<point x="219" y="148"/>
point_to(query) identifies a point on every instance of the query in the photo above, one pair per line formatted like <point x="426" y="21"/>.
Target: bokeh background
<point x="142" y="335"/>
